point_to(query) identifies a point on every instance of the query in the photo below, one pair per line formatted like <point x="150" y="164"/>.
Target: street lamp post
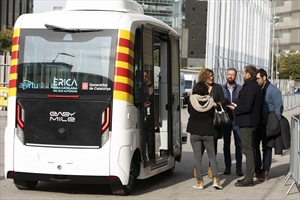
<point x="274" y="22"/>
<point x="272" y="64"/>
<point x="273" y="33"/>
<point x="276" y="59"/>
<point x="181" y="48"/>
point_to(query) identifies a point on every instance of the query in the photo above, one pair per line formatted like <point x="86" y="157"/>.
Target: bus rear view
<point x="76" y="109"/>
<point x="62" y="93"/>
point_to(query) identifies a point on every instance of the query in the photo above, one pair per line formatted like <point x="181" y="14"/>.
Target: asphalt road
<point x="178" y="186"/>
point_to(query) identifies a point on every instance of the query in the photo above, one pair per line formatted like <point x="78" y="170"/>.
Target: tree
<point x="6" y="36"/>
<point x="289" y="65"/>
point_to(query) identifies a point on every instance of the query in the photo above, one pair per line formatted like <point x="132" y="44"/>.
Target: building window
<point x="193" y="8"/>
<point x="192" y="38"/>
<point x="192" y="52"/>
<point x="193" y="23"/>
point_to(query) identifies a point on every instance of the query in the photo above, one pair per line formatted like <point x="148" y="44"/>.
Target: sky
<point x="46" y="5"/>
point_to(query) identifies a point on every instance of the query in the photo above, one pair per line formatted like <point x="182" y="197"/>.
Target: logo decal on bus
<point x="85" y="86"/>
<point x="62" y="116"/>
<point x="64" y="85"/>
<point x="99" y="86"/>
<point x="28" y="85"/>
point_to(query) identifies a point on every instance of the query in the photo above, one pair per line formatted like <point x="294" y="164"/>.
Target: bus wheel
<point x="25" y="185"/>
<point x="119" y="189"/>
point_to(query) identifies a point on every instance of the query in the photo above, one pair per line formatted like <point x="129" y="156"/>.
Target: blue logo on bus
<point x="28" y="85"/>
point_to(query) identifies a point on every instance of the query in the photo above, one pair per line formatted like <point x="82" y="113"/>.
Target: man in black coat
<point x="247" y="117"/>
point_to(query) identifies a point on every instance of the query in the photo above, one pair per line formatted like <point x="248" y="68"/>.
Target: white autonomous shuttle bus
<point x="76" y="105"/>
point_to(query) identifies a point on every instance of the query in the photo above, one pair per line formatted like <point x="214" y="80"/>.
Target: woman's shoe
<point x="216" y="183"/>
<point x="199" y="185"/>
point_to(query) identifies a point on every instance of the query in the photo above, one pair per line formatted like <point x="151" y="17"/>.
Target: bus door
<point x="148" y="98"/>
<point x="161" y="133"/>
<point x="166" y="51"/>
<point x="175" y="115"/>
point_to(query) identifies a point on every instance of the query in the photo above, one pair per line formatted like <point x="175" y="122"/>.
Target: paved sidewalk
<point x="272" y="189"/>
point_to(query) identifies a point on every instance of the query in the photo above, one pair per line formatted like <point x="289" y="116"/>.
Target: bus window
<point x="82" y="64"/>
<point x="137" y="70"/>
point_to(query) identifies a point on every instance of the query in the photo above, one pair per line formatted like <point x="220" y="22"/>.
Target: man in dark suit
<point x="247" y="117"/>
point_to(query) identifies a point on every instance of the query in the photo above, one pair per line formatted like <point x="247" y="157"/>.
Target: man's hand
<point x="186" y="94"/>
<point x="232" y="106"/>
<point x="147" y="104"/>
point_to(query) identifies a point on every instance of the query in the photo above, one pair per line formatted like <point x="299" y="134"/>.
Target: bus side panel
<point x="123" y="140"/>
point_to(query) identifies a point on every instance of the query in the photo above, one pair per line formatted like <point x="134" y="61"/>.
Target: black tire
<point x="124" y="190"/>
<point x="25" y="185"/>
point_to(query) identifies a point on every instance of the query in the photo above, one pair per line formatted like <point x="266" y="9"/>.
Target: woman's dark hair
<point x="200" y="88"/>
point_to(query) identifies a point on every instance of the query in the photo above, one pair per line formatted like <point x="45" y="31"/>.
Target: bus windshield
<point x="59" y="62"/>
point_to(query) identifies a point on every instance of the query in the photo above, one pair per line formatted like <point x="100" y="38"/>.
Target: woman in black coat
<point x="216" y="92"/>
<point x="200" y="126"/>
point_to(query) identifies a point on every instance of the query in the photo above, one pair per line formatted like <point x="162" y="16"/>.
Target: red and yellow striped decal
<point x="123" y="81"/>
<point x="12" y="91"/>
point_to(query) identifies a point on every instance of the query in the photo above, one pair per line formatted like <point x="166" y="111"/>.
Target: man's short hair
<point x="262" y="73"/>
<point x="251" y="70"/>
<point x="232" y="69"/>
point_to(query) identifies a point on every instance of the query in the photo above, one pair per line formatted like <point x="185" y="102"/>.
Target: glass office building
<point x="160" y="9"/>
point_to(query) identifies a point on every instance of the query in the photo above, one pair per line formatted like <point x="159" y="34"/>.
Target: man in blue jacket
<point x="247" y="116"/>
<point x="272" y="101"/>
<point x="231" y="90"/>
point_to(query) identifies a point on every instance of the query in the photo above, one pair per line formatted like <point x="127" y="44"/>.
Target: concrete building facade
<point x="12" y="9"/>
<point x="196" y="25"/>
<point x="238" y="34"/>
<point x="287" y="28"/>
